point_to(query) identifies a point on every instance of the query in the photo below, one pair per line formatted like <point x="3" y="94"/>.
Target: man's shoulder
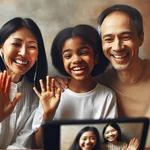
<point x="103" y="78"/>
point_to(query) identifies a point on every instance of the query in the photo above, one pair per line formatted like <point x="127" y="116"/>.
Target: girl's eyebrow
<point x="80" y="48"/>
<point x="66" y="50"/>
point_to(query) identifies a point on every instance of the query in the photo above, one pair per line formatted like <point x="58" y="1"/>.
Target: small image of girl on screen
<point x="87" y="139"/>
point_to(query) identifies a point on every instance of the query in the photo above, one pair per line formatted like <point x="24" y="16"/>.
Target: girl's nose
<point x="77" y="59"/>
<point x="88" y="141"/>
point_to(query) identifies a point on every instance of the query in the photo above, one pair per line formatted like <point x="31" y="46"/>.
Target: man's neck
<point x="132" y="75"/>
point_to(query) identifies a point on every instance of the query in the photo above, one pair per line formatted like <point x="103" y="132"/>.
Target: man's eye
<point x="108" y="40"/>
<point x="125" y="38"/>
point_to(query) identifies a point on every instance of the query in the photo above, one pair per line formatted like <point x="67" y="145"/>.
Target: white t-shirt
<point x="99" y="103"/>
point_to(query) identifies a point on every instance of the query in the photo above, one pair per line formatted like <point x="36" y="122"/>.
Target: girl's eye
<point x="93" y="138"/>
<point x="84" y="139"/>
<point x="84" y="53"/>
<point x="67" y="56"/>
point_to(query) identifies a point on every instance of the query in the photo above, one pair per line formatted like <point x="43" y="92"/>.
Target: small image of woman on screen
<point x="113" y="141"/>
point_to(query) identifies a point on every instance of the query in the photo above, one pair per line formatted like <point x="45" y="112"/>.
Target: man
<point x="121" y="31"/>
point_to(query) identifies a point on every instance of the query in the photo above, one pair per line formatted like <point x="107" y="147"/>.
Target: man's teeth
<point x="21" y="62"/>
<point x="119" y="57"/>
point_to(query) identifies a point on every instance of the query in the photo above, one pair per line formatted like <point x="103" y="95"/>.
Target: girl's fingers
<point x="58" y="93"/>
<point x="48" y="83"/>
<point x="42" y="86"/>
<point x="53" y="86"/>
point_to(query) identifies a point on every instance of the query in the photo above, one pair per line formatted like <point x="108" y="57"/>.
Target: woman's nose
<point x="22" y="51"/>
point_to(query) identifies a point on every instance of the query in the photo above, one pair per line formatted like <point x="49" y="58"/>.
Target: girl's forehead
<point x="109" y="128"/>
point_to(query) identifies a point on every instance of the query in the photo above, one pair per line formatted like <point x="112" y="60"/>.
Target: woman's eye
<point x="32" y="47"/>
<point x="16" y="44"/>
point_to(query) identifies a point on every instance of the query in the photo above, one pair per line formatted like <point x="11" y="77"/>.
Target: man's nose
<point x="117" y="45"/>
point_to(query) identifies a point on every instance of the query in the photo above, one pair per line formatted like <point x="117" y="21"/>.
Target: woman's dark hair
<point x="116" y="127"/>
<point x="40" y="67"/>
<point x="133" y="13"/>
<point x="86" y="33"/>
<point x="76" y="146"/>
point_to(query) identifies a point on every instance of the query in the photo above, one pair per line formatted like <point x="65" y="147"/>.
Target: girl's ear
<point x="96" y="59"/>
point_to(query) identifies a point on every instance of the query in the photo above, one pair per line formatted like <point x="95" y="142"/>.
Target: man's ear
<point x="141" y="38"/>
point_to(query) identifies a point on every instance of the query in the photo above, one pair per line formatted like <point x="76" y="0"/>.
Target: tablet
<point x="60" y="134"/>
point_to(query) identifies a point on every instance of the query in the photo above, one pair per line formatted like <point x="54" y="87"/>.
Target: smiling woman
<point x="22" y="63"/>
<point x="113" y="139"/>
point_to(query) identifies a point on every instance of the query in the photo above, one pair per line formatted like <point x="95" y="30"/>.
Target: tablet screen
<point x="60" y="135"/>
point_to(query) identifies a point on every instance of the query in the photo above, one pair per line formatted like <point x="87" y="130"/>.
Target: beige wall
<point x="54" y="15"/>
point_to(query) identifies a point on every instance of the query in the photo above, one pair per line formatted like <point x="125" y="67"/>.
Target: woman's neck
<point x="14" y="77"/>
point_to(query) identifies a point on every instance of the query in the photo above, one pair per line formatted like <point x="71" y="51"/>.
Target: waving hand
<point x="49" y="97"/>
<point x="6" y="106"/>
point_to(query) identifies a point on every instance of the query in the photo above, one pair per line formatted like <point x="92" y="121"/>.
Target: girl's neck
<point x="81" y="86"/>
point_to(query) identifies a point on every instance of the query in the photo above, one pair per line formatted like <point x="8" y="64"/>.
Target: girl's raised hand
<point x="49" y="97"/>
<point x="6" y="105"/>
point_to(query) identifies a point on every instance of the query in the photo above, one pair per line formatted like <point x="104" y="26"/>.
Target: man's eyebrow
<point x="126" y="32"/>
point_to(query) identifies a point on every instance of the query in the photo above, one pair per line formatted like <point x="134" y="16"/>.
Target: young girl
<point x="77" y="52"/>
<point x="87" y="138"/>
<point x="112" y="139"/>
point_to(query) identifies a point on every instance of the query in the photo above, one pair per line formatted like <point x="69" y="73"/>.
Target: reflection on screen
<point x="69" y="132"/>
